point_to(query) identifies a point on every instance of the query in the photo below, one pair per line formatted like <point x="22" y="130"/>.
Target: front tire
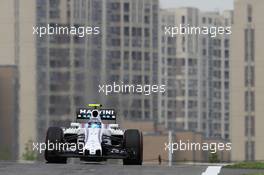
<point x="133" y="141"/>
<point x="54" y="136"/>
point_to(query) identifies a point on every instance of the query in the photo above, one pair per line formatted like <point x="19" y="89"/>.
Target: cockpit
<point x="94" y="123"/>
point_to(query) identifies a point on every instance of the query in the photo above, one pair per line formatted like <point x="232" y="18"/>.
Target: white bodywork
<point x="93" y="136"/>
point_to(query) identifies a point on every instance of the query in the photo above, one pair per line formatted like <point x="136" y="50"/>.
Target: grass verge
<point x="248" y="165"/>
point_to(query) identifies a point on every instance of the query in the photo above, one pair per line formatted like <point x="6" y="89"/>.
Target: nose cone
<point x="93" y="143"/>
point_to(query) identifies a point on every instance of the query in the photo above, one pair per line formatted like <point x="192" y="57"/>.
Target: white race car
<point x="90" y="139"/>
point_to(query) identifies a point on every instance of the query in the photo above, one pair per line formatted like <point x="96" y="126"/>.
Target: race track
<point x="80" y="168"/>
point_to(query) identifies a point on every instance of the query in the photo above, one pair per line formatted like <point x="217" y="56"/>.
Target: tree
<point x="213" y="158"/>
<point x="29" y="154"/>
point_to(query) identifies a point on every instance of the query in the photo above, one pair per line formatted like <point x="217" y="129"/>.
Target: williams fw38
<point x="93" y="138"/>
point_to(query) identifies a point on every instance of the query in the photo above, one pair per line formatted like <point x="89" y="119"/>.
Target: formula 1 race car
<point x="91" y="138"/>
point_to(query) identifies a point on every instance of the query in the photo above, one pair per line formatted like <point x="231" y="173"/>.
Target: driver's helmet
<point x="94" y="123"/>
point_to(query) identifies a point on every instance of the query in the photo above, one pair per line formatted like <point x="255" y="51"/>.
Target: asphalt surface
<point x="14" y="168"/>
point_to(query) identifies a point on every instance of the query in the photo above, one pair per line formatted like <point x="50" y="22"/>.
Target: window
<point x="126" y="18"/>
<point x="204" y="52"/>
<point x="126" y="78"/>
<point x="204" y="20"/>
<point x="226" y="43"/>
<point x="249" y="13"/>
<point x="250" y="150"/>
<point x="246" y="101"/>
<point x="249" y="126"/>
<point x="252" y="101"/>
<point x="226" y="64"/>
<point x="252" y="76"/>
<point x="226" y="53"/>
<point x="183" y="20"/>
<point x="126" y="31"/>
<point x="126" y="7"/>
<point x="126" y="66"/>
<point x="249" y="44"/>
<point x="146" y="31"/>
<point x="246" y="76"/>
<point x="115" y="6"/>
<point x="134" y="31"/>
<point x="126" y="55"/>
<point x="147" y="20"/>
<point x="210" y="20"/>
<point x="226" y="85"/>
<point x="192" y="126"/>
<point x="249" y="76"/>
<point x="54" y="14"/>
<point x="249" y="101"/>
<point x="147" y="104"/>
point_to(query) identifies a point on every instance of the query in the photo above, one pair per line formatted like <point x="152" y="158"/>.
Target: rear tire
<point x="54" y="136"/>
<point x="133" y="141"/>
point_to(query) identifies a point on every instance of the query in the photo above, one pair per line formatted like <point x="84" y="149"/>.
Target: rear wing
<point x="87" y="113"/>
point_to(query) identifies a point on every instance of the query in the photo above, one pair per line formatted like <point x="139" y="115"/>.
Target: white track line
<point x="212" y="170"/>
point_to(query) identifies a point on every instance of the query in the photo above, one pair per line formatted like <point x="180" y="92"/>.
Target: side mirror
<point x="114" y="126"/>
<point x="76" y="125"/>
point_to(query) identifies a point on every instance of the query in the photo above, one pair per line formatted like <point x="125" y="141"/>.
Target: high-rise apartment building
<point x="17" y="47"/>
<point x="70" y="68"/>
<point x="179" y="57"/>
<point x="214" y="75"/>
<point x="169" y="106"/>
<point x="195" y="68"/>
<point x="128" y="53"/>
<point x="247" y="82"/>
<point x="61" y="65"/>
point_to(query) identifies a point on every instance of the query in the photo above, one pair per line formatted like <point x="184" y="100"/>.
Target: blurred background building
<point x="129" y="54"/>
<point x="247" y="96"/>
<point x="17" y="49"/>
<point x="195" y="69"/>
<point x="214" y="83"/>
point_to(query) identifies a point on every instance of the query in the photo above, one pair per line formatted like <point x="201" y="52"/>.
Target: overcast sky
<point x="205" y="5"/>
